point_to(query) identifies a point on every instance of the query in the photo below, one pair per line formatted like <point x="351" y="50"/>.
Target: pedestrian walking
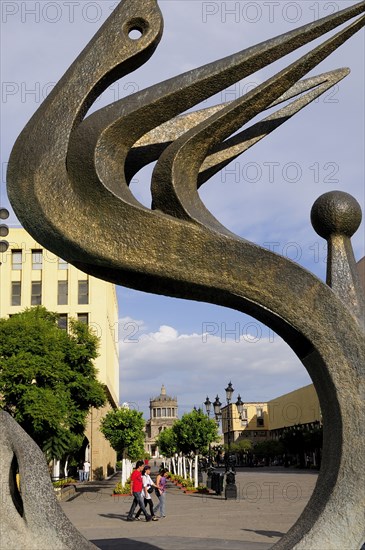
<point x="86" y="470"/>
<point x="80" y="470"/>
<point x="148" y="486"/>
<point x="161" y="482"/>
<point x="136" y="492"/>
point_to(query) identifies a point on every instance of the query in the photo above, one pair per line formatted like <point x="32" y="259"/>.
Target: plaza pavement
<point x="269" y="502"/>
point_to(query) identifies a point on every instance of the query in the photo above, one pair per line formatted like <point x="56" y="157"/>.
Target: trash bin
<point x="210" y="471"/>
<point x="217" y="482"/>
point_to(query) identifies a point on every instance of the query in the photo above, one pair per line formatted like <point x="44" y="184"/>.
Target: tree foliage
<point x="167" y="443"/>
<point x="269" y="449"/>
<point x="242" y="446"/>
<point x="123" y="428"/>
<point x="194" y="431"/>
<point x="48" y="379"/>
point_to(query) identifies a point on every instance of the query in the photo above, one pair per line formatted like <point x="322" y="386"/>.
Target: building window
<point x="16" y="293"/>
<point x="16" y="259"/>
<point x="154" y="413"/>
<point x="260" y="416"/>
<point x="168" y="412"/>
<point x="158" y="413"/>
<point x="62" y="298"/>
<point x="163" y="412"/>
<point x="244" y="414"/>
<point x="62" y="264"/>
<point x="83" y="292"/>
<point x="36" y="298"/>
<point x="37" y="259"/>
<point x="62" y="321"/>
<point x="83" y="318"/>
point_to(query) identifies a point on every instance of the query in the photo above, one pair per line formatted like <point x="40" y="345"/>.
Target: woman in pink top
<point x="161" y="482"/>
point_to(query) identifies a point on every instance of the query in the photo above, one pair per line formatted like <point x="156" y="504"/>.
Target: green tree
<point x="123" y="428"/>
<point x="48" y="379"/>
<point x="194" y="431"/>
<point x="240" y="448"/>
<point x="269" y="449"/>
<point x="166" y="442"/>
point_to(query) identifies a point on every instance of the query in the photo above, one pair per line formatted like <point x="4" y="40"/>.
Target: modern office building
<point x="30" y="275"/>
<point x="163" y="414"/>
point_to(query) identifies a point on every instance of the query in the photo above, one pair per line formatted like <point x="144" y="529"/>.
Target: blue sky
<point x="264" y="196"/>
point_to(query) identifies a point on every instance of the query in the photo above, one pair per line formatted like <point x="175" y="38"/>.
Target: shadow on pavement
<point x="265" y="533"/>
<point x="178" y="543"/>
<point x="114" y="516"/>
<point x="124" y="544"/>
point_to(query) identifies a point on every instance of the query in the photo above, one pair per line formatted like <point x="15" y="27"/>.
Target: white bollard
<point x="196" y="471"/>
<point x="123" y="478"/>
<point x="184" y="467"/>
<point x="56" y="469"/>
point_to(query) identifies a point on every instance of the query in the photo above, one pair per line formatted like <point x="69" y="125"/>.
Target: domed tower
<point x="163" y="414"/>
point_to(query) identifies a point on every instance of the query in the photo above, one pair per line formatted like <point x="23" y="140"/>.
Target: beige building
<point x="299" y="407"/>
<point x="30" y="275"/>
<point x="253" y="424"/>
<point x="163" y="414"/>
<point x="260" y="421"/>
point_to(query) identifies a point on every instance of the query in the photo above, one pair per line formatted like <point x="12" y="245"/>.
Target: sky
<point x="265" y="195"/>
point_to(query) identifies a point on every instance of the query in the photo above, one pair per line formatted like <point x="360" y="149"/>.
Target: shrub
<point x="119" y="489"/>
<point x="63" y="482"/>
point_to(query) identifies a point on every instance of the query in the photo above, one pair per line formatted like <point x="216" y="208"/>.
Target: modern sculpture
<point x="68" y="183"/>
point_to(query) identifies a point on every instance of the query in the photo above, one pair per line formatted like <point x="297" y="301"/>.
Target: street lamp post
<point x="229" y="392"/>
<point x="208" y="405"/>
<point x="231" y="488"/>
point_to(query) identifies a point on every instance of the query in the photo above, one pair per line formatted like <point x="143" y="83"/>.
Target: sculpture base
<point x="230" y="492"/>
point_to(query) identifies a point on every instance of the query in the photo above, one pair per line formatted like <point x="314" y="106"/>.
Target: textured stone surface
<point x="336" y="216"/>
<point x="32" y="519"/>
<point x="68" y="185"/>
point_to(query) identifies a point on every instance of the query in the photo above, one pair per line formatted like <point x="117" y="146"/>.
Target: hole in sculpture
<point x="136" y="28"/>
<point x="276" y="471"/>
<point x="135" y="34"/>
<point x="14" y="485"/>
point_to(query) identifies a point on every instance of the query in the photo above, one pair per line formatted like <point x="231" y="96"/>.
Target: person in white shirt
<point x="86" y="470"/>
<point x="148" y="486"/>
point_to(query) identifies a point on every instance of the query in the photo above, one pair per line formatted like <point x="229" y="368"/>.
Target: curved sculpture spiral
<point x="68" y="183"/>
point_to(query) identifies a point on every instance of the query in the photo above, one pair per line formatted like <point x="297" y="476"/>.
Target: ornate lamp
<point x="239" y="405"/>
<point x="229" y="392"/>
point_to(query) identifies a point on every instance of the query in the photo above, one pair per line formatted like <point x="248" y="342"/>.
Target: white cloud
<point x="192" y="366"/>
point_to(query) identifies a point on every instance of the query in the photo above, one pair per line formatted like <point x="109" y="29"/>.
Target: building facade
<point x="296" y="408"/>
<point x="30" y="275"/>
<point x="163" y="414"/>
<point x="253" y="424"/>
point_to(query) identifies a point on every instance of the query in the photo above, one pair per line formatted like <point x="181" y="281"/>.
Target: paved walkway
<point x="270" y="501"/>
